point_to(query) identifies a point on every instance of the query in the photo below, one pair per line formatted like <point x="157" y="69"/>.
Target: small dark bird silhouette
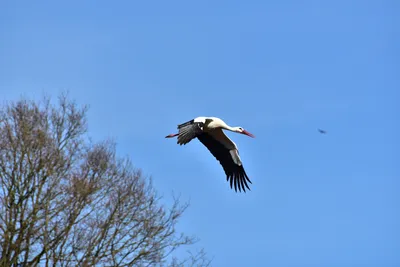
<point x="322" y="131"/>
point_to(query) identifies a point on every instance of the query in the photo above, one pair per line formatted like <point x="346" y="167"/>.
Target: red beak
<point x="247" y="133"/>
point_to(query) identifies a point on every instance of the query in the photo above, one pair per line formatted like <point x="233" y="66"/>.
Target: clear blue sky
<point x="280" y="69"/>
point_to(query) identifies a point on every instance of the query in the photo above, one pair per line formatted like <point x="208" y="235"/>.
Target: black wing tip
<point x="239" y="181"/>
<point x="182" y="142"/>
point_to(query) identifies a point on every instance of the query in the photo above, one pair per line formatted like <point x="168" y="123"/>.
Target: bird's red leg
<point x="171" y="135"/>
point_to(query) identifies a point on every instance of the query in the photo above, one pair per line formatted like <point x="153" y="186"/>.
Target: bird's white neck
<point x="232" y="129"/>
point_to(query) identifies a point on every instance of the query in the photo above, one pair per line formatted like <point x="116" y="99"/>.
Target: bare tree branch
<point x="66" y="201"/>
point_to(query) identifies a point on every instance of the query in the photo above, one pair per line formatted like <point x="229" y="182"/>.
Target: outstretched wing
<point x="188" y="131"/>
<point x="229" y="160"/>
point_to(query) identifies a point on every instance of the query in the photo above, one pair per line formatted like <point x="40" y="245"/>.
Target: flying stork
<point x="209" y="132"/>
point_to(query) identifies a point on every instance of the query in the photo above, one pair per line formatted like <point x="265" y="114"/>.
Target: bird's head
<point x="243" y="131"/>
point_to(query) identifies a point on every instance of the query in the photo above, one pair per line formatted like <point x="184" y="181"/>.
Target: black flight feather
<point x="235" y="174"/>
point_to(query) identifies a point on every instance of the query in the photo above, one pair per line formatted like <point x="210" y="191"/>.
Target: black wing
<point x="188" y="131"/>
<point x="234" y="173"/>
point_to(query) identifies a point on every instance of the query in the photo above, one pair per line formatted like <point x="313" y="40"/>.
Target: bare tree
<point x="66" y="201"/>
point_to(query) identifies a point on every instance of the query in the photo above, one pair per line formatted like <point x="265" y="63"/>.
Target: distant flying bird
<point x="209" y="132"/>
<point x="322" y="131"/>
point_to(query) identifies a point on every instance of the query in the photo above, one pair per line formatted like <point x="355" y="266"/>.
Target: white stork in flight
<point x="209" y="131"/>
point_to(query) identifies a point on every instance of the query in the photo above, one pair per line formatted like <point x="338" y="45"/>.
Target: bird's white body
<point x="214" y="128"/>
<point x="209" y="130"/>
<point x="213" y="123"/>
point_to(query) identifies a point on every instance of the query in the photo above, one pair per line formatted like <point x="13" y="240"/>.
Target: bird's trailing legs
<point x="171" y="135"/>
